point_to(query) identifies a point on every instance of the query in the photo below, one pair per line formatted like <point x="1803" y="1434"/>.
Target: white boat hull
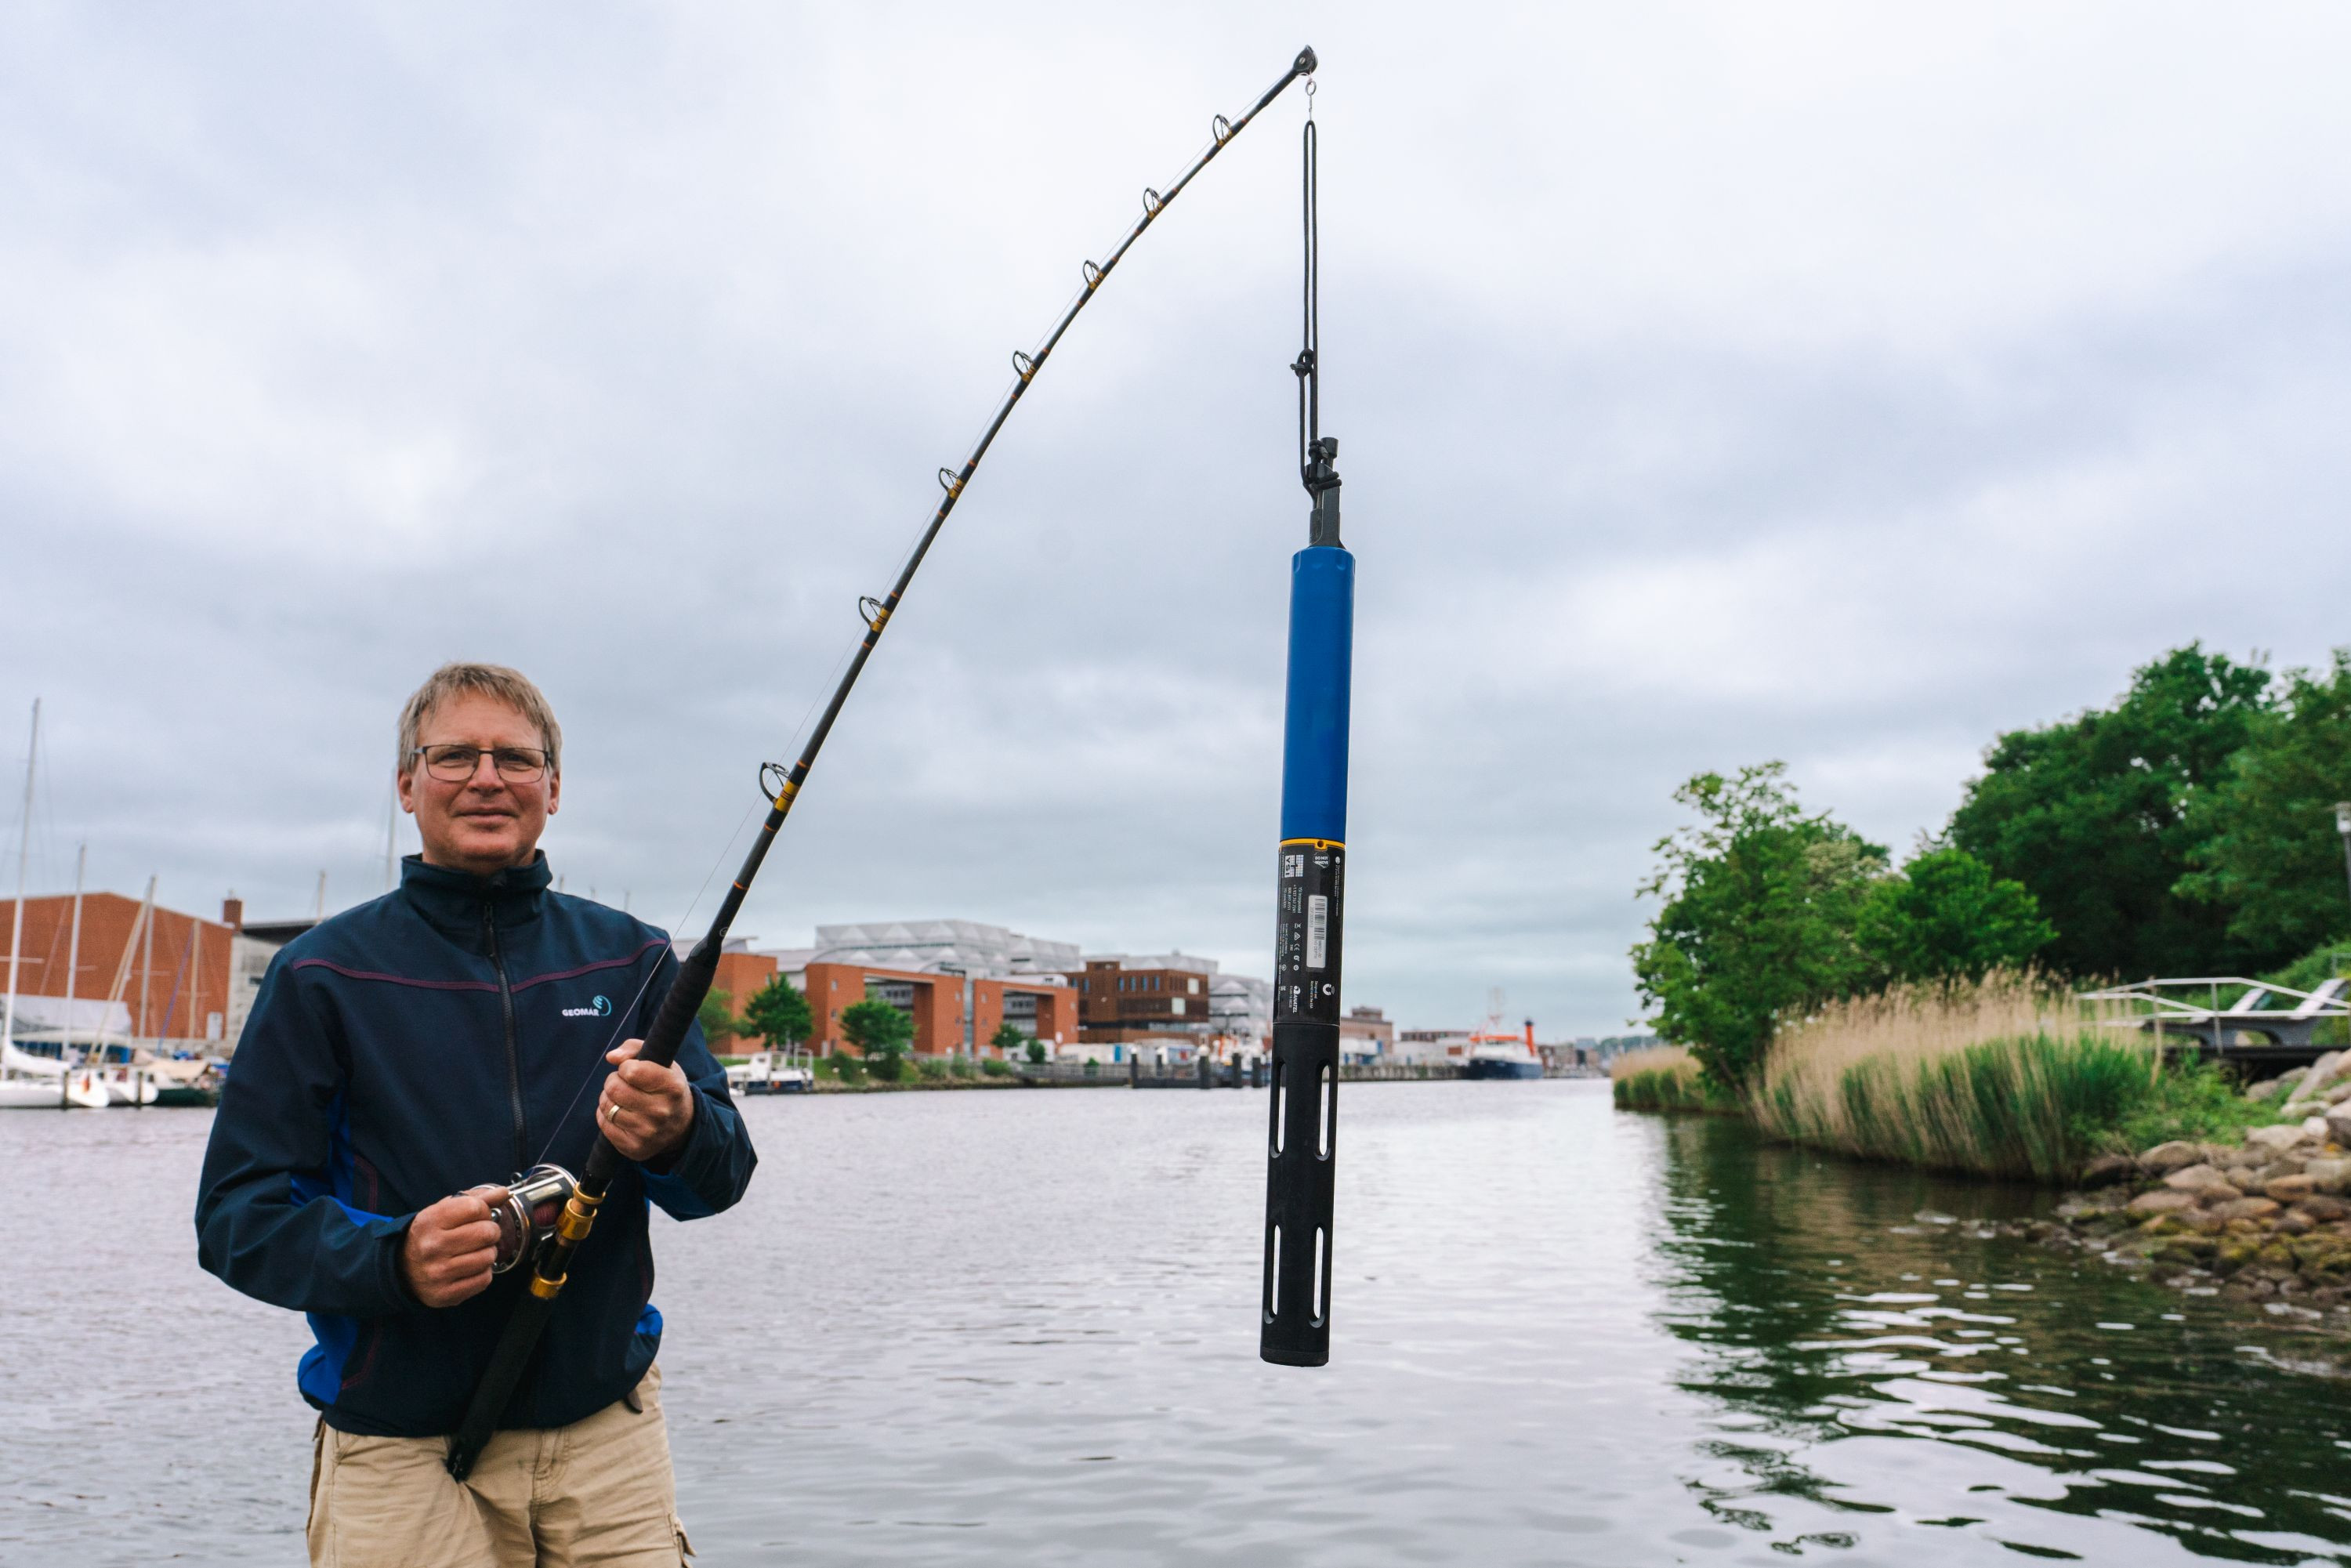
<point x="84" y="1090"/>
<point x="121" y="1089"/>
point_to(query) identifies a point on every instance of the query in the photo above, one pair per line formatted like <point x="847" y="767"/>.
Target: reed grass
<point x="2009" y="1077"/>
<point x="1660" y="1078"/>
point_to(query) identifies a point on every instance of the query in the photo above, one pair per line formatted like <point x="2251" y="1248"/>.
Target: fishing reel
<point x="534" y="1202"/>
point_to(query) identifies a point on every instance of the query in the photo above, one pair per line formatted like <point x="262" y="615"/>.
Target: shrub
<point x="994" y="1069"/>
<point x="846" y="1068"/>
<point x="887" y="1069"/>
<point x="2009" y="1077"/>
<point x="932" y="1069"/>
<point x="1662" y="1078"/>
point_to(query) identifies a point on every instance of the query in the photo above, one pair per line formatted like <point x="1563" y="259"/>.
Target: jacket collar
<point x="454" y="899"/>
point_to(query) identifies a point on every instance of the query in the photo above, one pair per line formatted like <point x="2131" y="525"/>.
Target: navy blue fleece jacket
<point x="448" y="1034"/>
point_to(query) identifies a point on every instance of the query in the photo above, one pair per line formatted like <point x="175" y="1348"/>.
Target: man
<point x="438" y="1039"/>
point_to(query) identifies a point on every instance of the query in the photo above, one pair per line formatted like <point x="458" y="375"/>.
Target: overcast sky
<point x="1835" y="384"/>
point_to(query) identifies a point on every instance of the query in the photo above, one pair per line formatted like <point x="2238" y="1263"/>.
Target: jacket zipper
<point x="513" y="1057"/>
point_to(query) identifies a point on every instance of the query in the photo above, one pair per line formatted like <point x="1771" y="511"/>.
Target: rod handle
<point x="499" y="1380"/>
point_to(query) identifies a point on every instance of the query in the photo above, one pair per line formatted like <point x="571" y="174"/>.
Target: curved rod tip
<point x="1306" y="62"/>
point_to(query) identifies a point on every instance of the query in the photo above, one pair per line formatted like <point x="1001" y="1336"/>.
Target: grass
<point x="2011" y="1077"/>
<point x="1662" y="1078"/>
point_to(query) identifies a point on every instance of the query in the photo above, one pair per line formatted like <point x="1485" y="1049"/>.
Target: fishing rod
<point x="549" y="1236"/>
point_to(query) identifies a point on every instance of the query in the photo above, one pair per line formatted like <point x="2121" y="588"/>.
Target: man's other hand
<point x="447" y="1253"/>
<point x="645" y="1110"/>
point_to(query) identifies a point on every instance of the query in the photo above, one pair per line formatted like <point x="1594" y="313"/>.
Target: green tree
<point x="716" y="1017"/>
<point x="2267" y="853"/>
<point x="1036" y="1050"/>
<point x="1944" y="917"/>
<point x="2094" y="816"/>
<point x="1007" y="1039"/>
<point x="778" y="1013"/>
<point x="880" y="1033"/>
<point x="1762" y="902"/>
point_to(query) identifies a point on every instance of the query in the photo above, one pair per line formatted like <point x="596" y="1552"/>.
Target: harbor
<point x="1573" y="1335"/>
<point x="749" y="815"/>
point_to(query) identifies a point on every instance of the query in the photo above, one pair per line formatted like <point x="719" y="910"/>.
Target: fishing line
<point x="592" y="1075"/>
<point x="551" y="1259"/>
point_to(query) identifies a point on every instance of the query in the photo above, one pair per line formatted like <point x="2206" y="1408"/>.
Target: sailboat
<point x="125" y="1083"/>
<point x="29" y="1081"/>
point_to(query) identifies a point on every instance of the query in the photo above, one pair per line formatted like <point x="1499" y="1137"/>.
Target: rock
<point x="2329" y="1176"/>
<point x="2290" y="1188"/>
<point x="2274" y="1141"/>
<point x="2218" y="1192"/>
<point x="2270" y="1090"/>
<point x="2293" y="1222"/>
<point x="2162" y="1201"/>
<point x="2195" y="1178"/>
<point x="2232" y="1255"/>
<point x="2317" y="1129"/>
<point x="2108" y="1169"/>
<point x="2336" y="1095"/>
<point x="2338" y="1123"/>
<point x="2244" y="1208"/>
<point x="2300" y="1110"/>
<point x="2272" y="1172"/>
<point x="2174" y="1156"/>
<point x="2322" y="1073"/>
<point x="2323" y="1208"/>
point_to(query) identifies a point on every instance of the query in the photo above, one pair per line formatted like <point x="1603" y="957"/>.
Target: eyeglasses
<point x="457" y="764"/>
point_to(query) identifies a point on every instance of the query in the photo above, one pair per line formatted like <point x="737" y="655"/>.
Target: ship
<point x="1495" y="1053"/>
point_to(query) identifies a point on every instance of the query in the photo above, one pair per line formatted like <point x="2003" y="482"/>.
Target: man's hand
<point x="446" y="1255"/>
<point x="645" y="1110"/>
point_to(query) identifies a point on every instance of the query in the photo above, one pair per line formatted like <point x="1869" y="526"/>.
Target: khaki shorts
<point x="598" y="1491"/>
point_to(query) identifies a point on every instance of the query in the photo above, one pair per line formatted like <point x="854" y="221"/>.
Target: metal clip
<point x="950" y="482"/>
<point x="870" y="611"/>
<point x="1221" y="129"/>
<point x="1022" y="365"/>
<point x="1151" y="203"/>
<point x="1094" y="274"/>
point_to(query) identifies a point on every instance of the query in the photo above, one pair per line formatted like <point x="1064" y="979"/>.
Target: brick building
<point x="174" y="977"/>
<point x="959" y="980"/>
<point x="1123" y="999"/>
<point x="1044" y="1008"/>
<point x="1365" y="1034"/>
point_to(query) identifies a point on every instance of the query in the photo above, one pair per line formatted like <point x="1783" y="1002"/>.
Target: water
<point x="1019" y="1328"/>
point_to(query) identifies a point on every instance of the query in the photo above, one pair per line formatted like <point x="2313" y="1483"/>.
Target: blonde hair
<point x="511" y="688"/>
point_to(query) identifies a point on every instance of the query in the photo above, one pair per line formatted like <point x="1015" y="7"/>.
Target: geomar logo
<point x="601" y="1008"/>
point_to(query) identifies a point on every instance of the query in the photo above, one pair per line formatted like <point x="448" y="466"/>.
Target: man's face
<point x="484" y="823"/>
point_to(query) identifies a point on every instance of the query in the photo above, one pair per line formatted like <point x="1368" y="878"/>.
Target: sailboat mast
<point x="146" y="963"/>
<point x="73" y="943"/>
<point x="16" y="920"/>
<point x="73" y="965"/>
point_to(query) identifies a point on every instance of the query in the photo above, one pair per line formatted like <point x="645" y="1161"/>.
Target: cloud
<point x="1844" y="388"/>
